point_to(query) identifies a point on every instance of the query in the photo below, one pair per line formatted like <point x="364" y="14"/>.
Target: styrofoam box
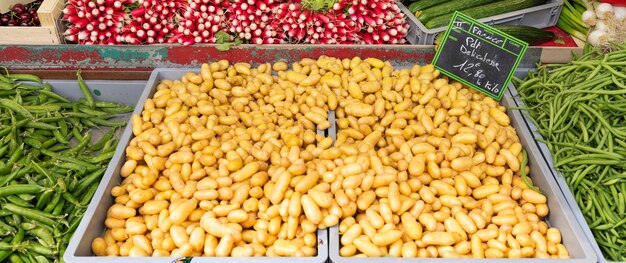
<point x="92" y="224"/>
<point x="541" y="16"/>
<point x="561" y="216"/>
<point x="569" y="196"/>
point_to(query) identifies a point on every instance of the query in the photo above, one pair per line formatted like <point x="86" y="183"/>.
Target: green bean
<point x="44" y="235"/>
<point x="43" y="199"/>
<point x="24" y="86"/>
<point x="59" y="137"/>
<point x="40" y="125"/>
<point x="24" y="77"/>
<point x="15" y="107"/>
<point x="53" y="95"/>
<point x="18" y="201"/>
<point x="39" y="249"/>
<point x="58" y="209"/>
<point x="40" y="135"/>
<point x="53" y="203"/>
<point x="523" y="172"/>
<point x="90" y="192"/>
<point x="119" y="109"/>
<point x="91" y="112"/>
<point x="43" y="108"/>
<point x="88" y="122"/>
<point x="105" y="156"/>
<point x="83" y="87"/>
<point x="7" y="86"/>
<point x="42" y="259"/>
<point x="73" y="167"/>
<point x="88" y="180"/>
<point x="107" y="123"/>
<point x="3" y="150"/>
<point x="15" y="155"/>
<point x="20" y="189"/>
<point x="100" y="144"/>
<point x="76" y="133"/>
<point x="58" y="147"/>
<point x="77" y="114"/>
<point x="70" y="198"/>
<point x="87" y="165"/>
<point x="110" y="143"/>
<point x="39" y="216"/>
<point x="81" y="145"/>
<point x="63" y="127"/>
<point x="7" y="228"/>
<point x="33" y="143"/>
<point x="3" y="78"/>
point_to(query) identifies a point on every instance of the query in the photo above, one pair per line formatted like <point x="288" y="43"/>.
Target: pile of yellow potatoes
<point x="228" y="162"/>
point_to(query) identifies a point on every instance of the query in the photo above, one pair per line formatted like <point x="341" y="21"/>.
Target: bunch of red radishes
<point x="96" y="22"/>
<point x="251" y="21"/>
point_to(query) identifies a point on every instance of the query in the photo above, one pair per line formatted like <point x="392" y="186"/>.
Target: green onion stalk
<point x="570" y="19"/>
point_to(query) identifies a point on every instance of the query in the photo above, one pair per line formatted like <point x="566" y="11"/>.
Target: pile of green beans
<point x="49" y="166"/>
<point x="580" y="110"/>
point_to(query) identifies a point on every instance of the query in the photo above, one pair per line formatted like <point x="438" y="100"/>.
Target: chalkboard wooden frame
<point x="502" y="48"/>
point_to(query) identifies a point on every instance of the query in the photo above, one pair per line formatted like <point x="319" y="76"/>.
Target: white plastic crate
<point x="541" y="16"/>
<point x="92" y="224"/>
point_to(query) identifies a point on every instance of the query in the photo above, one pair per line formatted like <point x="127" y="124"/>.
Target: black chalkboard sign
<point x="478" y="55"/>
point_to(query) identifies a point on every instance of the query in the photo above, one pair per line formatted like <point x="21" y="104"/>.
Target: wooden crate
<point x="48" y="33"/>
<point x="5" y="5"/>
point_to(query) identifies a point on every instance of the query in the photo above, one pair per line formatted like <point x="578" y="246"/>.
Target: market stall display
<point x="219" y="120"/>
<point x="319" y="131"/>
<point x="54" y="153"/>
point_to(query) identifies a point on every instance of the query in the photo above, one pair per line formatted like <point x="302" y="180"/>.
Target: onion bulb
<point x="598" y="38"/>
<point x="604" y="11"/>
<point x="620" y="13"/>
<point x="589" y="18"/>
<point x="601" y="26"/>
